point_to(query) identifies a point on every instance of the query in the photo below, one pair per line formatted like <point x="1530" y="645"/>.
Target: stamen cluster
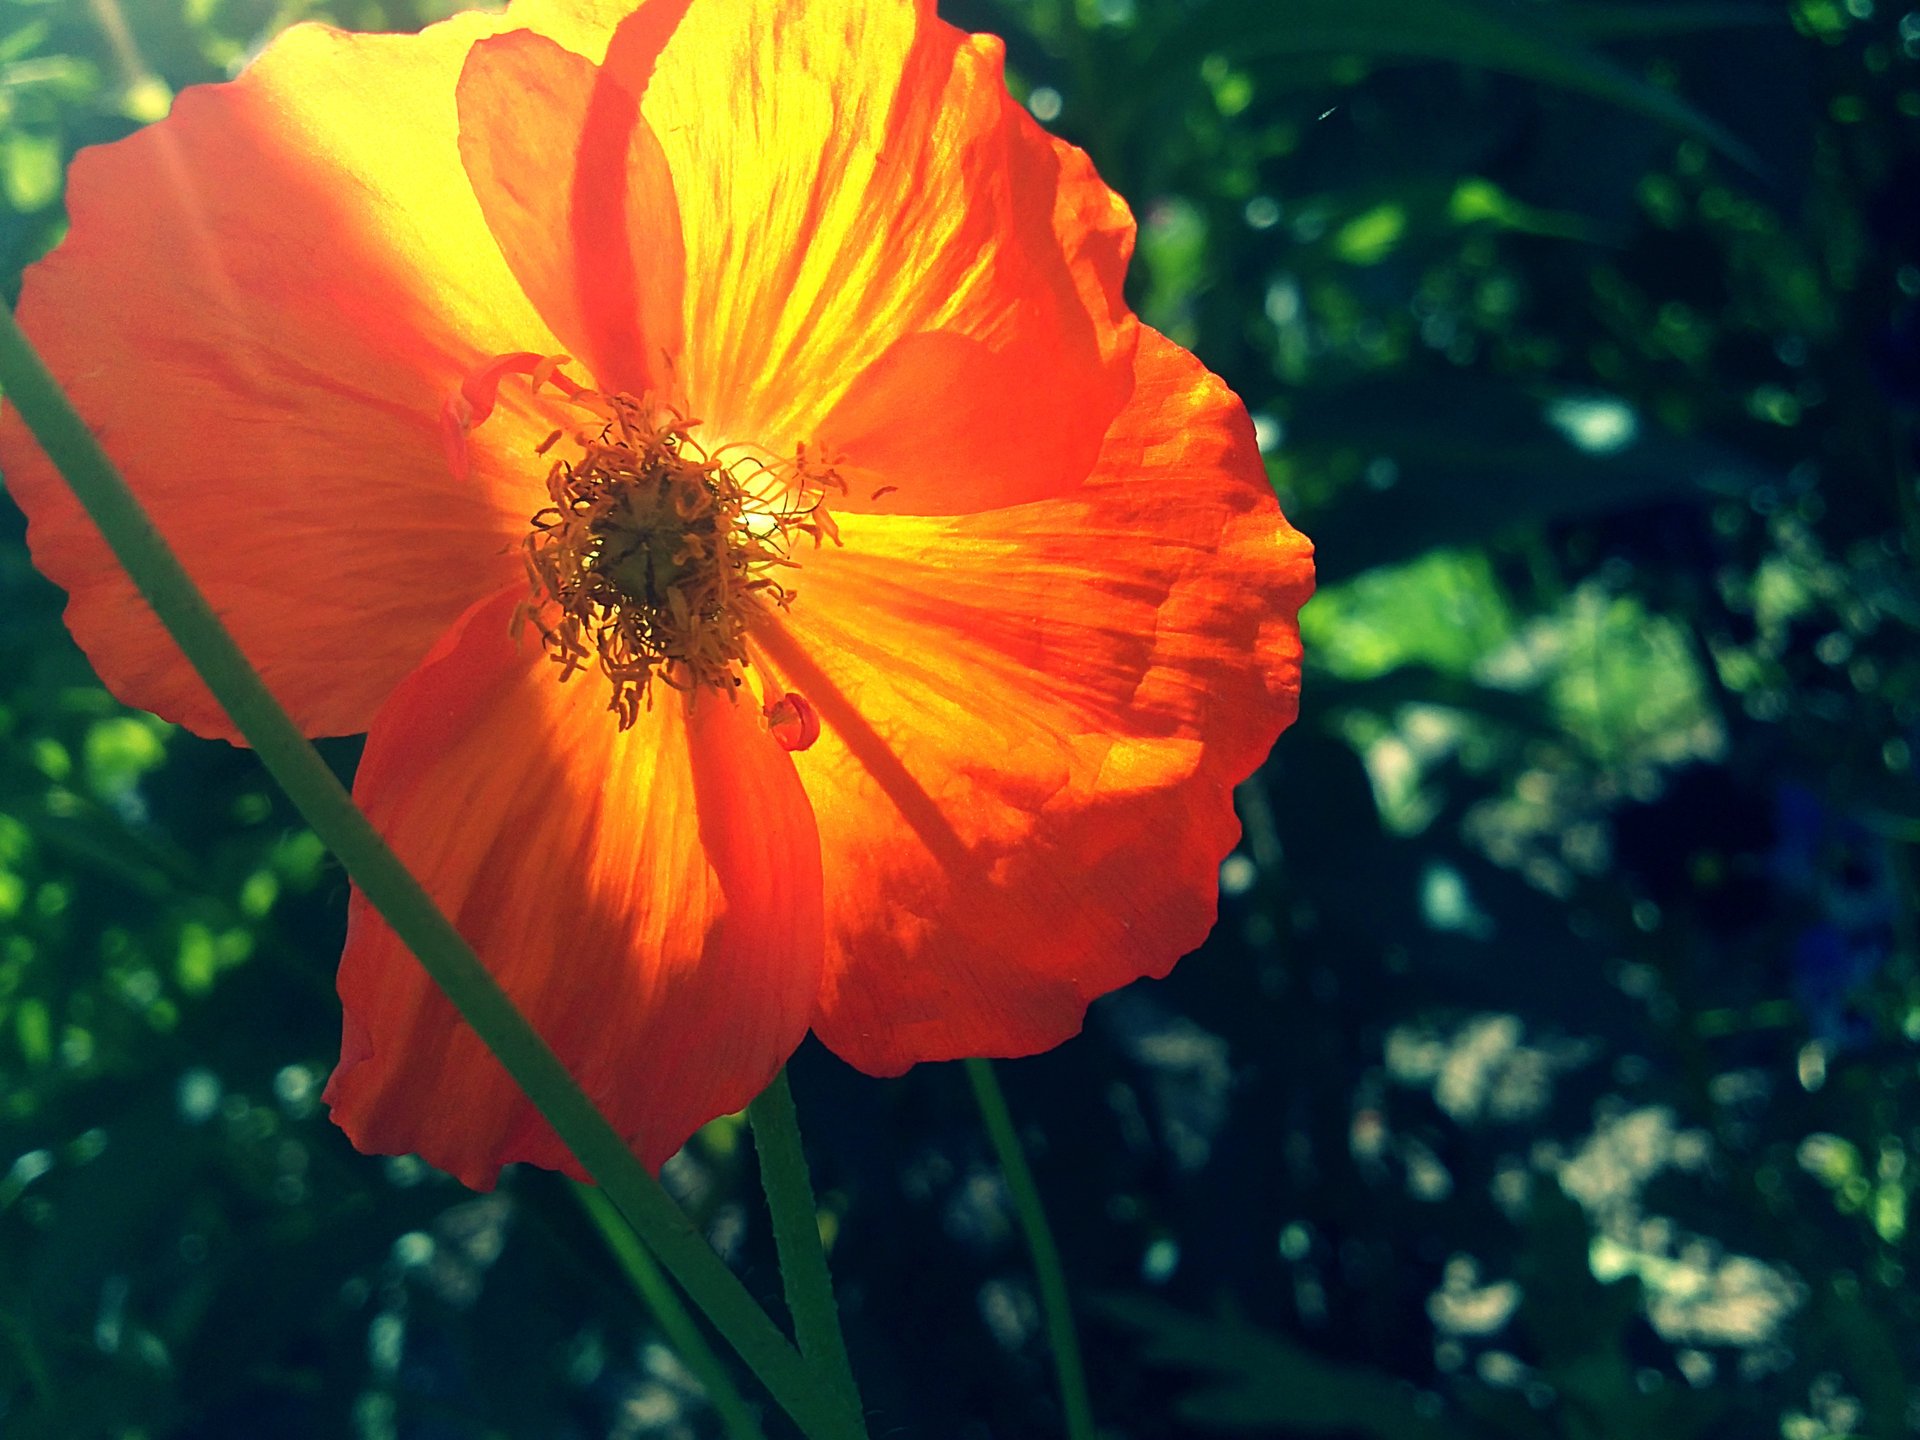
<point x="654" y="558"/>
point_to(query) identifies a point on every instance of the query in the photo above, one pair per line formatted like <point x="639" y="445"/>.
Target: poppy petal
<point x="945" y="422"/>
<point x="883" y="251"/>
<point x="1032" y="721"/>
<point x="650" y="898"/>
<point x="283" y="293"/>
<point x="575" y="188"/>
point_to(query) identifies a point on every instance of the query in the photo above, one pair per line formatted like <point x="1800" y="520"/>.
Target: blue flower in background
<point x="1837" y="869"/>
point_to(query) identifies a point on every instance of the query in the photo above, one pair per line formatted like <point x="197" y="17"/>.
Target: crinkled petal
<point x="651" y="900"/>
<point x="886" y="257"/>
<point x="1032" y="723"/>
<point x="575" y="187"/>
<point x="262" y="306"/>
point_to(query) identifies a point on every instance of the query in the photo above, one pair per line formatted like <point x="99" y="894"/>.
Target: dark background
<point x="1552" y="1070"/>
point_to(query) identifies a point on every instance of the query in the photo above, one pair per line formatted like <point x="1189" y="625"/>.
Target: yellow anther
<point x="654" y="558"/>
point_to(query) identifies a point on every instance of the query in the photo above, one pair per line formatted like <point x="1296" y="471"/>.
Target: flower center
<point x="654" y="558"/>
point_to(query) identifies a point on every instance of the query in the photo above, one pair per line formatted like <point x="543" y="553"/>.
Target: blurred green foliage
<point x="1552" y="1071"/>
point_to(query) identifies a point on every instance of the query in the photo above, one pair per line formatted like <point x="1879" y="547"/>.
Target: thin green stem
<point x="796" y="1234"/>
<point x="682" y="1331"/>
<point x="388" y="886"/>
<point x="1054" y="1302"/>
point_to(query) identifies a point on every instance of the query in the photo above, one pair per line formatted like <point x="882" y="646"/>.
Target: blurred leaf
<point x="51" y="77"/>
<point x="1625" y="682"/>
<point x="1476" y="199"/>
<point x="22" y="41"/>
<point x="1258" y="1380"/>
<point x="1369" y="238"/>
<point x="35" y="1030"/>
<point x="1601" y="21"/>
<point x="1444" y="611"/>
<point x="119" y="750"/>
<point x="29" y="169"/>
<point x="1471" y="459"/>
<point x="1528" y="40"/>
<point x="1526" y="713"/>
<point x="1583" y="1331"/>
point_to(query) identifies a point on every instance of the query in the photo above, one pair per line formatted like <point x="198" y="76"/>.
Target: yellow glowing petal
<point x="378" y="113"/>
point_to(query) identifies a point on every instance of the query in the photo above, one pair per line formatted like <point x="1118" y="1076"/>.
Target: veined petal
<point x="262" y="306"/>
<point x="884" y="251"/>
<point x="650" y="899"/>
<point x="575" y="188"/>
<point x="1032" y="721"/>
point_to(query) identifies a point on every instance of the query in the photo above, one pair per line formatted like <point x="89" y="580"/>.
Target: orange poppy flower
<point x="708" y="452"/>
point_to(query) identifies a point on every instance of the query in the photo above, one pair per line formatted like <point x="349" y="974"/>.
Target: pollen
<point x="654" y="559"/>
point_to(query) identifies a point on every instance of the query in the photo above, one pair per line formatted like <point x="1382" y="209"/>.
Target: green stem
<point x="1054" y="1303"/>
<point x="388" y="886"/>
<point x="673" y="1318"/>
<point x="796" y="1235"/>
